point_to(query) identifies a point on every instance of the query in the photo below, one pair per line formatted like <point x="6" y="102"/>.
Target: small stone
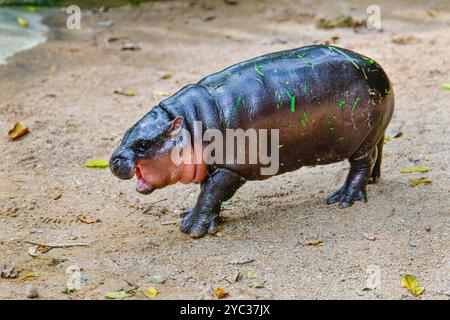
<point x="158" y="279"/>
<point x="31" y="292"/>
<point x="360" y="293"/>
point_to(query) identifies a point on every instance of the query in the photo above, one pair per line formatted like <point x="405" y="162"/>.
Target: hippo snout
<point x="122" y="163"/>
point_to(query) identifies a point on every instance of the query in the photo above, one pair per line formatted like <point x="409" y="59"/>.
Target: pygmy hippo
<point x="325" y="103"/>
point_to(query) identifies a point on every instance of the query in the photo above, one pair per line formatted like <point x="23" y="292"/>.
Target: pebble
<point x="31" y="292"/>
<point x="158" y="279"/>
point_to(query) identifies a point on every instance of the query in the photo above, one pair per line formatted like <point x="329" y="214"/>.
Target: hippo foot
<point x="197" y="224"/>
<point x="347" y="197"/>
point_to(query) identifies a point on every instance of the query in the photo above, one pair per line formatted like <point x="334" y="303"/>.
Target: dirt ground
<point x="63" y="91"/>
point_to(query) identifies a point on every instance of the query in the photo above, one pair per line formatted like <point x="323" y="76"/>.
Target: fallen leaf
<point x="127" y="92"/>
<point x="432" y="13"/>
<point x="30" y="275"/>
<point x="342" y="21"/>
<point x="220" y="293"/>
<point x="97" y="164"/>
<point x="387" y="138"/>
<point x="410" y="282"/>
<point x="250" y="274"/>
<point x="130" y="47"/>
<point x="166" y="76"/>
<point x="83" y="219"/>
<point x="317" y="243"/>
<point x="150" y="292"/>
<point x="260" y="285"/>
<point x="414" y="169"/>
<point x="405" y="40"/>
<point x="22" y="22"/>
<point x="117" y="295"/>
<point x="17" y="131"/>
<point x="446" y="86"/>
<point x="31" y="9"/>
<point x="415" y="182"/>
<point x="161" y="94"/>
<point x="67" y="291"/>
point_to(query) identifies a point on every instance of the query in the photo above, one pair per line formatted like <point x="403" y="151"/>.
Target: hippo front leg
<point x="219" y="186"/>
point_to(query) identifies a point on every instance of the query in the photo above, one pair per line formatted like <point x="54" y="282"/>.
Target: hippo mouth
<point x="142" y="186"/>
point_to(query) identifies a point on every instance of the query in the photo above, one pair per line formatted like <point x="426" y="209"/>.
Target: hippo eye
<point x="143" y="145"/>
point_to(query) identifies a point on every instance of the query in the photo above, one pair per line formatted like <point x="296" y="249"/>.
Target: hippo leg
<point x="219" y="186"/>
<point x="376" y="172"/>
<point x="354" y="188"/>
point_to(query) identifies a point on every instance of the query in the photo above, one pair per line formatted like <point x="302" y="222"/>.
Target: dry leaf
<point x="410" y="282"/>
<point x="415" y="169"/>
<point x="415" y="182"/>
<point x="127" y="92"/>
<point x="220" y="293"/>
<point x="161" y="94"/>
<point x="166" y="76"/>
<point x="317" y="243"/>
<point x="150" y="292"/>
<point x="83" y="219"/>
<point x="17" y="131"/>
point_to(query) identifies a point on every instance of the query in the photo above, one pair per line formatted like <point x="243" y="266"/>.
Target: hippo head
<point x="146" y="151"/>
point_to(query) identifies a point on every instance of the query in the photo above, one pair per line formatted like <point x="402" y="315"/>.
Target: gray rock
<point x="31" y="292"/>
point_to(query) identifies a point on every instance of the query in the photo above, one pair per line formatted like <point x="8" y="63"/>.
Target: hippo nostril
<point x="116" y="162"/>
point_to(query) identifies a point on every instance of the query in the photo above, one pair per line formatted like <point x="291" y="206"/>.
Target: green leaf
<point x="117" y="295"/>
<point x="446" y="86"/>
<point x="97" y="164"/>
<point x="411" y="170"/>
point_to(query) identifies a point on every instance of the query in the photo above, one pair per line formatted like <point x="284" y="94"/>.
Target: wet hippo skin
<point x="328" y="103"/>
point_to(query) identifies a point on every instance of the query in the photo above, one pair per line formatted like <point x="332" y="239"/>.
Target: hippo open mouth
<point x="142" y="186"/>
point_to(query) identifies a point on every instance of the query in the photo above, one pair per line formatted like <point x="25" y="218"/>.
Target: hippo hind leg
<point x="364" y="165"/>
<point x="219" y="186"/>
<point x="376" y="172"/>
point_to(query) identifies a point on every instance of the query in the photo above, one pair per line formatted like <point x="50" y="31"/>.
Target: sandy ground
<point x="63" y="91"/>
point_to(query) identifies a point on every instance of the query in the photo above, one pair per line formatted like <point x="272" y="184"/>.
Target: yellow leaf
<point x="317" y="243"/>
<point x="17" y="131"/>
<point x="416" y="169"/>
<point x="30" y="275"/>
<point x="415" y="182"/>
<point x="150" y="292"/>
<point x="97" y="164"/>
<point x="129" y="92"/>
<point x="409" y="282"/>
<point x="220" y="293"/>
<point x="22" y="22"/>
<point x="166" y="76"/>
<point x="387" y="138"/>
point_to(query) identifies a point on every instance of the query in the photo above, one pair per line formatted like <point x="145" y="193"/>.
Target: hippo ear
<point x="175" y="126"/>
